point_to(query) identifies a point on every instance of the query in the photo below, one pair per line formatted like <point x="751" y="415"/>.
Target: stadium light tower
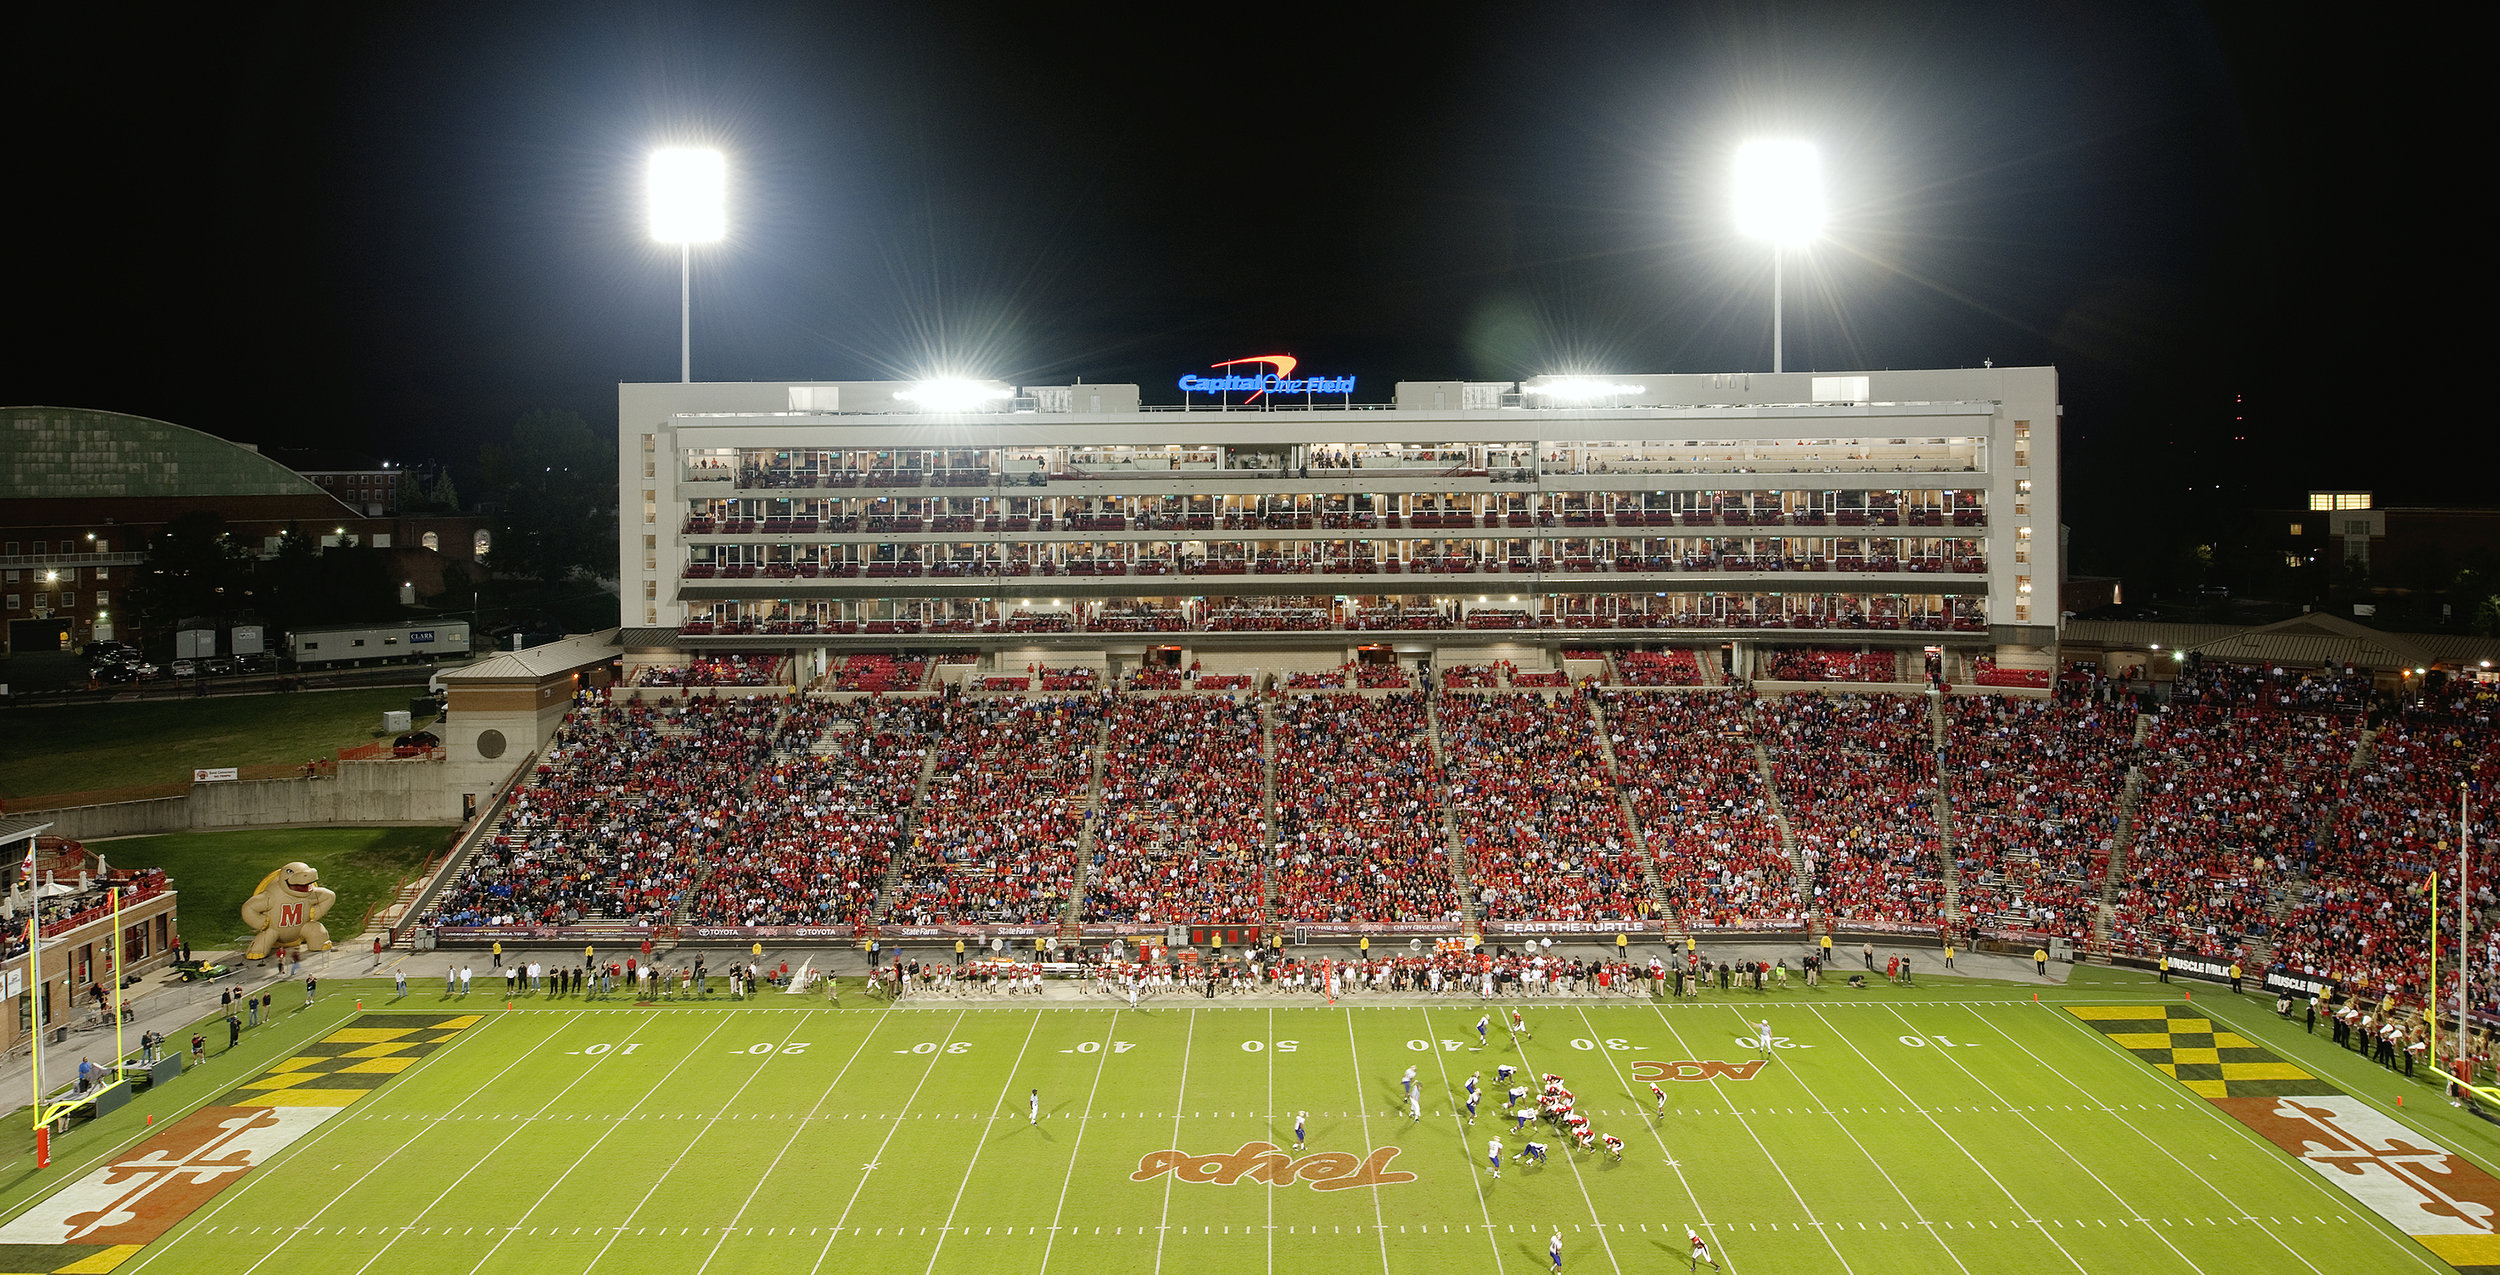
<point x="688" y="188"/>
<point x="1779" y="197"/>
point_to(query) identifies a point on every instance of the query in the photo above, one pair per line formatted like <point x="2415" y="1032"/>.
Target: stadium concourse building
<point x="1243" y="529"/>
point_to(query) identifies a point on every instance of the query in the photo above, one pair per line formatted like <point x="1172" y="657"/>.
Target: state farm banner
<point x="1607" y="928"/>
<point x="2212" y="969"/>
<point x="965" y="931"/>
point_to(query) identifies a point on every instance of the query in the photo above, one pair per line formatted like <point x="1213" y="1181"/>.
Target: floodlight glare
<point x="951" y="394"/>
<point x="1779" y="192"/>
<point x="688" y="192"/>
<point x="1779" y="198"/>
<point x="1580" y="389"/>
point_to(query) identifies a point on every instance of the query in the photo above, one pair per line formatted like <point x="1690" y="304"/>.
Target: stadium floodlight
<point x="953" y="394"/>
<point x="1580" y="389"/>
<point x="1779" y="198"/>
<point x="689" y="205"/>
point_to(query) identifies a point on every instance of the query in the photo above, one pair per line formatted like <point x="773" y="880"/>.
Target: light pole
<point x="688" y="188"/>
<point x="1779" y="198"/>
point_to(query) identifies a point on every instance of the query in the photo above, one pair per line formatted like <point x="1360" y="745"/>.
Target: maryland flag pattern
<point x="2184" y="1045"/>
<point x="104" y="1219"/>
<point x="2439" y="1199"/>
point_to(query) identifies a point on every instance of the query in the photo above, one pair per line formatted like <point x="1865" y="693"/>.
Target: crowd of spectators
<point x="1857" y="776"/>
<point x="1676" y="666"/>
<point x="997" y="837"/>
<point x="1816" y="665"/>
<point x="2363" y="916"/>
<point x="1695" y="788"/>
<point x="1182" y="822"/>
<point x="728" y="670"/>
<point x="625" y="809"/>
<point x="2232" y="798"/>
<point x="1537" y="812"/>
<point x="1360" y="834"/>
<point x="809" y="836"/>
<point x="2032" y="787"/>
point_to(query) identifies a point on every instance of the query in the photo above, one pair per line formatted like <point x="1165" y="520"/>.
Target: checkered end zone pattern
<point x="98" y="1222"/>
<point x="2444" y="1202"/>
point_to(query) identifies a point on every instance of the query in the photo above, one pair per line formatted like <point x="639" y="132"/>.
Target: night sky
<point x="399" y="226"/>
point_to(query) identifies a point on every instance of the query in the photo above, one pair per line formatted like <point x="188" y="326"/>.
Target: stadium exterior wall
<point x="362" y="793"/>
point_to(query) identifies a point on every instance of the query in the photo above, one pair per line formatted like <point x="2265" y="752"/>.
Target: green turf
<point x="216" y="870"/>
<point x="570" y="1136"/>
<point x="93" y="747"/>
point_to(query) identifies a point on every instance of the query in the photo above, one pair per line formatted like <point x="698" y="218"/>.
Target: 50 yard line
<point x="1363" y="1109"/>
<point x="1180" y="1106"/>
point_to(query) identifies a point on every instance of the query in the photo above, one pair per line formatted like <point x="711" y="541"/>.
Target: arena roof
<point x="579" y="650"/>
<point x="2303" y="641"/>
<point x="82" y="454"/>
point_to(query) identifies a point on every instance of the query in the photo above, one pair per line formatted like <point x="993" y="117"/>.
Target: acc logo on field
<point x="1263" y="1162"/>
<point x="1696" y="1070"/>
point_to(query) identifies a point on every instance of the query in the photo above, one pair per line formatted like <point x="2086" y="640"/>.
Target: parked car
<point x="257" y="662"/>
<point x="185" y="668"/>
<point x="111" y="652"/>
<point x="220" y="666"/>
<point x="113" y="674"/>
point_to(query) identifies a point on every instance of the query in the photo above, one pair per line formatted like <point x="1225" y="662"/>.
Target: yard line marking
<point x="242" y="1188"/>
<point x="578" y="1161"/>
<point x="1938" y="1126"/>
<point x="1678" y="1165"/>
<point x="1101" y="1058"/>
<point x="1715" y="1085"/>
<point x="2071" y="1158"/>
<point x="1581" y="1182"/>
<point x="1481" y="1206"/>
<point x="1189" y="1038"/>
<point x="1363" y="1104"/>
<point x="2271" y="1153"/>
<point x="986" y="1125"/>
<point x="791" y="1141"/>
<point x="888" y="1140"/>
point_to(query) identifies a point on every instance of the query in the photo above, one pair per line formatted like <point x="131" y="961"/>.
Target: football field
<point x="1934" y="1129"/>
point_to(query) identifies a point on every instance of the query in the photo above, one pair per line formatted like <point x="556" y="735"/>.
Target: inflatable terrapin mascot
<point x="285" y="912"/>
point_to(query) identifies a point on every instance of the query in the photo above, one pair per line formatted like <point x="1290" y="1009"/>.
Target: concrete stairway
<point x="1267" y="817"/>
<point x="2122" y="843"/>
<point x="1086" y="840"/>
<point x="1632" y="822"/>
<point x="903" y="830"/>
<point x="1452" y="844"/>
